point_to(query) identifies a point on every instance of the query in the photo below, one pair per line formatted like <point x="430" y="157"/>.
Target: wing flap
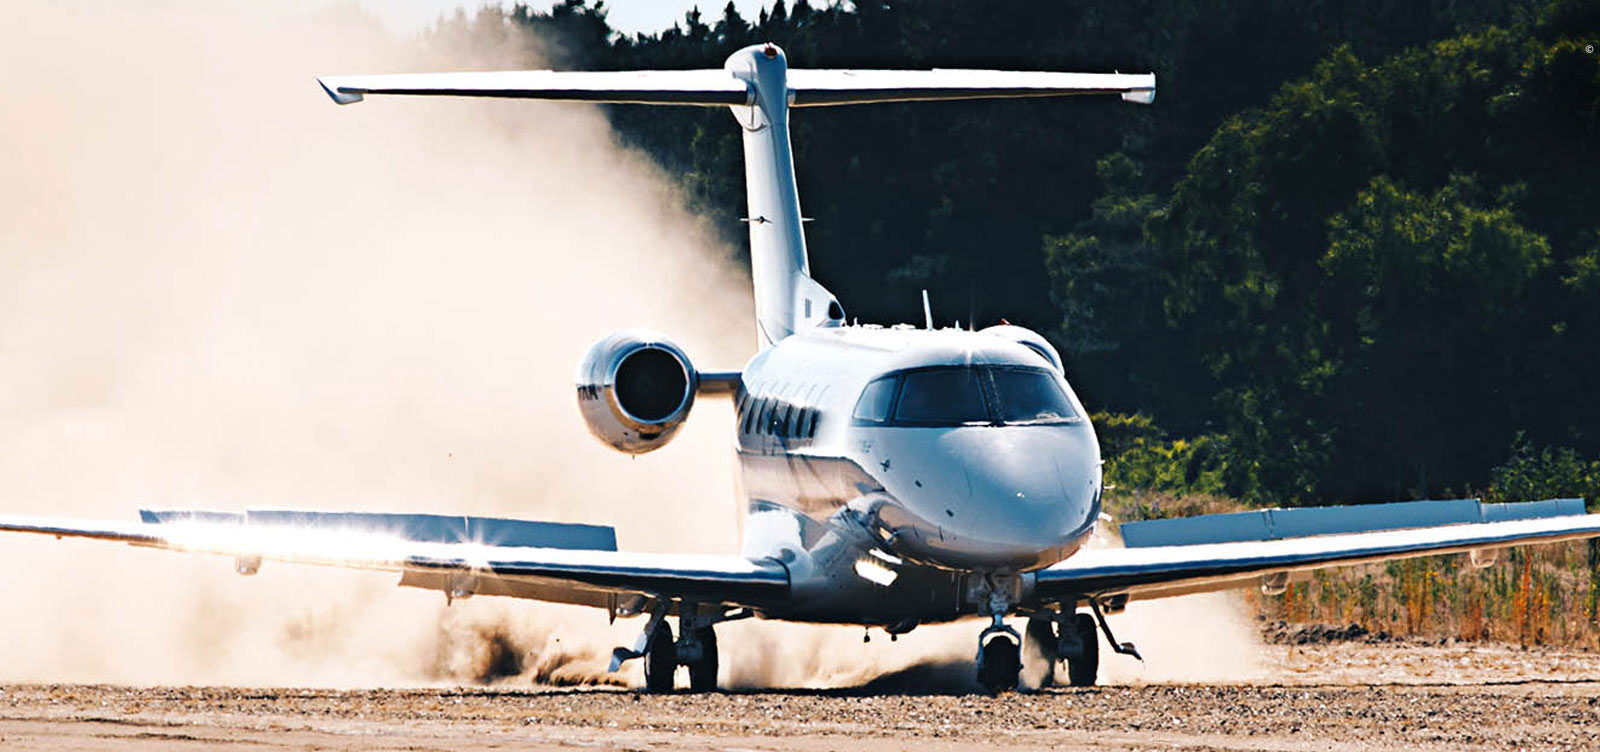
<point x="479" y="566"/>
<point x="558" y="592"/>
<point x="1158" y="571"/>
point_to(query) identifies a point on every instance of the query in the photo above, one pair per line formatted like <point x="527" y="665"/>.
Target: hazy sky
<point x="627" y="16"/>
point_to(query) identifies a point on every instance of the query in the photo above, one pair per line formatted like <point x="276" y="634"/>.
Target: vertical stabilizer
<point x="786" y="297"/>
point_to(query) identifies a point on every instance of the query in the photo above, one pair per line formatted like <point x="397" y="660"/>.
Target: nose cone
<point x="1004" y="497"/>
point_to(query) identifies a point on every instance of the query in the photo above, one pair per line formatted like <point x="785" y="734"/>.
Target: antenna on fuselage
<point x="927" y="311"/>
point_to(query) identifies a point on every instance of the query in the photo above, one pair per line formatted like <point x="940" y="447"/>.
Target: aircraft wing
<point x="1220" y="552"/>
<point x="459" y="555"/>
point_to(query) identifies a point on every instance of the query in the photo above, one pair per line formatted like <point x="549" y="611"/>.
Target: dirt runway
<point x="1433" y="697"/>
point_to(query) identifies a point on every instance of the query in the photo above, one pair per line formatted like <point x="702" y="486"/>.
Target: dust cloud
<point x="218" y="290"/>
<point x="1207" y="637"/>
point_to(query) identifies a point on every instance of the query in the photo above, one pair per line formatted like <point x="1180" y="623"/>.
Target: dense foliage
<point x="1351" y="253"/>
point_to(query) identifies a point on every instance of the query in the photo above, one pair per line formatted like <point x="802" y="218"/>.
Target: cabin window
<point x="749" y="414"/>
<point x="873" y="407"/>
<point x="765" y="421"/>
<point x="943" y="396"/>
<point x="1029" y="396"/>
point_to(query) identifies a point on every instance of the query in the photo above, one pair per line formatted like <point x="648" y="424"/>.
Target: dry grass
<point x="1532" y="595"/>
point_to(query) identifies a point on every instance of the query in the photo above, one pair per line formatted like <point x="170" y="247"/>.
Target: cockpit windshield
<point x="966" y="395"/>
<point x="946" y="396"/>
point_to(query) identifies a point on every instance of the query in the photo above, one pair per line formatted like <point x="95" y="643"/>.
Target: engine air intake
<point x="635" y="389"/>
<point x="651" y="384"/>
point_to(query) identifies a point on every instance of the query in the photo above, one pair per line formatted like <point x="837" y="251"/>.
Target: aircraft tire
<point x="660" y="660"/>
<point x="703" y="673"/>
<point x="1041" y="639"/>
<point x="1082" y="671"/>
<point x="1002" y="661"/>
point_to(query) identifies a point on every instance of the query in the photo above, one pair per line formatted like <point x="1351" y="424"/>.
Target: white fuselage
<point x="936" y="500"/>
<point x="951" y="500"/>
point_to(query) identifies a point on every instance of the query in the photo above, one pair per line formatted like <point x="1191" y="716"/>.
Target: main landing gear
<point x="663" y="656"/>
<point x="1050" y="637"/>
<point x="1065" y="637"/>
<point x="695" y="648"/>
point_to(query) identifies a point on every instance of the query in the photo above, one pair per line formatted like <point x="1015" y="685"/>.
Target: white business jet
<point x="892" y="476"/>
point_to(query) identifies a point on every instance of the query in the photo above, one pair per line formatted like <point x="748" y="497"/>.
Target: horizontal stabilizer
<point x="711" y="87"/>
<point x="822" y="88"/>
<point x="685" y="87"/>
<point x="1276" y="524"/>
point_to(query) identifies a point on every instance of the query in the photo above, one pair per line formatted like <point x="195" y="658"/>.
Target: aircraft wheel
<point x="660" y="660"/>
<point x="1001" y="662"/>
<point x="1041" y="642"/>
<point x="1081" y="671"/>
<point x="703" y="673"/>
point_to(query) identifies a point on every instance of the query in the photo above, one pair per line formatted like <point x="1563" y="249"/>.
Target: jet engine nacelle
<point x="1031" y="339"/>
<point x="635" y="389"/>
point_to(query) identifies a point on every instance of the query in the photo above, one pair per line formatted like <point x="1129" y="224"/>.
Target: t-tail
<point x="757" y="84"/>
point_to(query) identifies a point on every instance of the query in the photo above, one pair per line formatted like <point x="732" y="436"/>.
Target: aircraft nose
<point x="1015" y="496"/>
<point x="1024" y="499"/>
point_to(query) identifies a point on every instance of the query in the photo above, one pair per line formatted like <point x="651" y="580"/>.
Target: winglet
<point x="1145" y="95"/>
<point x="1148" y="96"/>
<point x="339" y="97"/>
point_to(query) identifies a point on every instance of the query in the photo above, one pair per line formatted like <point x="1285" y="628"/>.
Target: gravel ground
<point x="1413" y="696"/>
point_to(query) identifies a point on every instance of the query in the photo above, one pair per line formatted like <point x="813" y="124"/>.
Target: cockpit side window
<point x="942" y="396"/>
<point x="1028" y="396"/>
<point x="876" y="399"/>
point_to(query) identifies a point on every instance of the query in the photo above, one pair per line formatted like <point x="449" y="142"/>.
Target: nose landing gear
<point x="999" y="657"/>
<point x="999" y="663"/>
